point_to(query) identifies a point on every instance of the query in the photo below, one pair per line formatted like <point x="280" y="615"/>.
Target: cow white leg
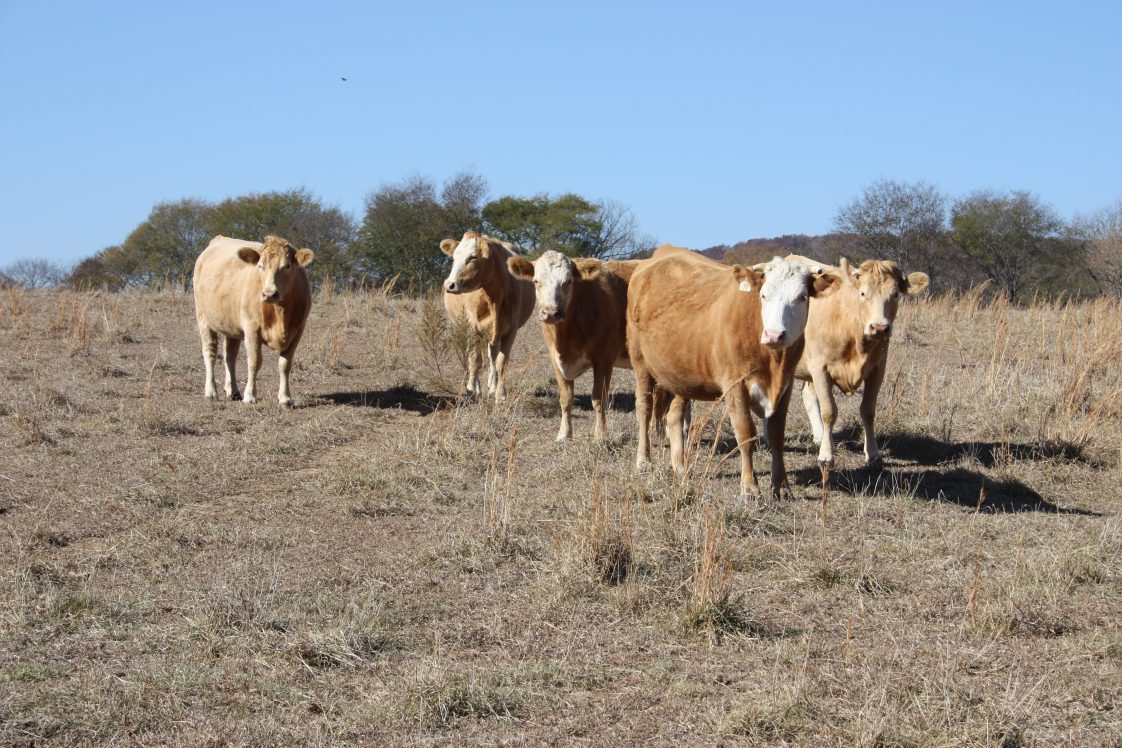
<point x="475" y="360"/>
<point x="827" y="409"/>
<point x="492" y="370"/>
<point x="869" y="412"/>
<point x="284" y="366"/>
<point x="253" y="356"/>
<point x="745" y="434"/>
<point x="644" y="383"/>
<point x="500" y="367"/>
<point x="230" y="360"/>
<point x="674" y="416"/>
<point x="810" y="404"/>
<point x="209" y="340"/>
<point x="565" y="400"/>
<point x="601" y="384"/>
<point x="777" y="426"/>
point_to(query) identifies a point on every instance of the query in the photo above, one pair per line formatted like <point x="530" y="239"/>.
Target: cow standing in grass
<point x="706" y="331"/>
<point x="847" y="337"/>
<point x="256" y="292"/>
<point x="481" y="288"/>
<point x="582" y="305"/>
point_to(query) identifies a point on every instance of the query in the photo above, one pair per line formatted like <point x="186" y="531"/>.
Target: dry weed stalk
<point x="711" y="607"/>
<point x="604" y="534"/>
<point x="497" y="491"/>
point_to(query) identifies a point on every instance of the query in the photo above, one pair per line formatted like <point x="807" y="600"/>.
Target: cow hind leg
<point x="253" y="357"/>
<point x="674" y="416"/>
<point x="209" y="339"/>
<point x="284" y="366"/>
<point x="499" y="365"/>
<point x="230" y="360"/>
<point x="601" y="384"/>
<point x="644" y="384"/>
<point x="745" y="432"/>
<point x="810" y="404"/>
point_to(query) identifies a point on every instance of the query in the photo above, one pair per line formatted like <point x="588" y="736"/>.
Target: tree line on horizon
<point x="1013" y="240"/>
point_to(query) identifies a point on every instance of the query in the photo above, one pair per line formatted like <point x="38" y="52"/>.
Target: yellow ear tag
<point x="745" y="286"/>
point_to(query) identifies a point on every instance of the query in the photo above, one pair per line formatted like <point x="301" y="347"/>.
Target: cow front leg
<point x="230" y="359"/>
<point x="284" y="366"/>
<point x="644" y="383"/>
<point x="745" y="436"/>
<point x="565" y="399"/>
<point x="827" y="412"/>
<point x="810" y="405"/>
<point x="492" y="369"/>
<point x="500" y="359"/>
<point x="777" y="427"/>
<point x="474" y="362"/>
<point x="253" y="357"/>
<point x="209" y="339"/>
<point x="869" y="413"/>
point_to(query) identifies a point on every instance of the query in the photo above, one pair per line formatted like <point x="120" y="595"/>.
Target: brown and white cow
<point x="256" y="292"/>
<point x="847" y="337"/>
<point x="582" y="304"/>
<point x="481" y="288"/>
<point x="705" y="331"/>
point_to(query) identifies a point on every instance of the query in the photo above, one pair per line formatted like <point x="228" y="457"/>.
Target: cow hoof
<point x="235" y="395"/>
<point x="750" y="497"/>
<point x="286" y="402"/>
<point x="826" y="464"/>
<point x="784" y="493"/>
<point x="249" y="400"/>
<point x="643" y="466"/>
<point x="562" y="438"/>
<point x="876" y="462"/>
<point x="210" y="396"/>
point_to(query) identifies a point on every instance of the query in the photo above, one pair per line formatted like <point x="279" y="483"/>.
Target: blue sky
<point x="714" y="122"/>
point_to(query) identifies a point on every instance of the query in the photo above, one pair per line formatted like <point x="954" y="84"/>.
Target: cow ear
<point x="847" y="272"/>
<point x="520" y="267"/>
<point x="305" y="257"/>
<point x="824" y="284"/>
<point x="916" y="282"/>
<point x="448" y="246"/>
<point x="589" y="269"/>
<point x="749" y="279"/>
<point x="249" y="255"/>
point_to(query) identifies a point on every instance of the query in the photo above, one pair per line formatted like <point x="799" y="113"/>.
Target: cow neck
<point x="494" y="284"/>
<point x="291" y="310"/>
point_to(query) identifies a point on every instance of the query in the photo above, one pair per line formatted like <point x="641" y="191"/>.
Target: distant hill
<point x="827" y="248"/>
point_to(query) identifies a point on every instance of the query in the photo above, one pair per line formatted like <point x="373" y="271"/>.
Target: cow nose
<point x="450" y="286"/>
<point x="267" y="295"/>
<point x="551" y="315"/>
<point x="878" y="329"/>
<point x="773" y="337"/>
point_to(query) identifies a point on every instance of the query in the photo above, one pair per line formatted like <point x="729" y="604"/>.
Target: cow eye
<point x="567" y="282"/>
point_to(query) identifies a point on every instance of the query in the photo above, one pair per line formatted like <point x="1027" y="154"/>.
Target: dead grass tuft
<point x="604" y="534"/>
<point x="441" y="698"/>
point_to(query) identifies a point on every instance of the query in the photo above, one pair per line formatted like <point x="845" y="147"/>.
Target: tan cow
<point x="847" y="336"/>
<point x="582" y="305"/>
<point x="256" y="292"/>
<point x="705" y="331"/>
<point x="481" y="288"/>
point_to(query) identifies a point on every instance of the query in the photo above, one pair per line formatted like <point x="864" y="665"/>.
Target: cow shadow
<point x="404" y="397"/>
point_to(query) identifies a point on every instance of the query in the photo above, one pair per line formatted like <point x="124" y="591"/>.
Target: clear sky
<point x="715" y="122"/>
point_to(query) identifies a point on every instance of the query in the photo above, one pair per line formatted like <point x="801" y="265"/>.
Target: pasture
<point x="385" y="565"/>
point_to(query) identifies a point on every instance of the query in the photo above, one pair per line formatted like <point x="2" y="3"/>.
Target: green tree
<point x="1014" y="238"/>
<point x="296" y="215"/>
<point x="405" y="222"/>
<point x="569" y="224"/>
<point x="166" y="243"/>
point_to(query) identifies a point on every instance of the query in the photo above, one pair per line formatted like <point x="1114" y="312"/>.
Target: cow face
<point x="278" y="262"/>
<point x="879" y="284"/>
<point x="553" y="275"/>
<point x="469" y="261"/>
<point x="785" y="289"/>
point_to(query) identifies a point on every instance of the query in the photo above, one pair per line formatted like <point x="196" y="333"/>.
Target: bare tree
<point x="616" y="232"/>
<point x="1101" y="233"/>
<point x="898" y="221"/>
<point x="36" y="274"/>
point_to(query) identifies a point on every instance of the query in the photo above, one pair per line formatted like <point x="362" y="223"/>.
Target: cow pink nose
<point x="450" y="285"/>
<point x="269" y="295"/>
<point x="771" y="337"/>
<point x="551" y="315"/>
<point x="878" y="328"/>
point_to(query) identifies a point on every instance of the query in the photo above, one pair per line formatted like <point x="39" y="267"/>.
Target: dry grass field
<point x="384" y="565"/>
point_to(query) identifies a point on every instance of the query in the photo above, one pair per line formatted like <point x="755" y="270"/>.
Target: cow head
<point x="879" y="285"/>
<point x="553" y="275"/>
<point x="278" y="262"/>
<point x="785" y="288"/>
<point x="469" y="262"/>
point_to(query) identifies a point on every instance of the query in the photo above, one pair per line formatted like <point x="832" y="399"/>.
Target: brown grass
<point x="386" y="565"/>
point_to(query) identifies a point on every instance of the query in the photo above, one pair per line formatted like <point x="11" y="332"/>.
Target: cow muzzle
<point x="451" y="287"/>
<point x="270" y="296"/>
<point x="878" y="330"/>
<point x="774" y="338"/>
<point x="551" y="316"/>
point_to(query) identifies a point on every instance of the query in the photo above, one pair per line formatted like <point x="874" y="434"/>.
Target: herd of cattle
<point x="691" y="328"/>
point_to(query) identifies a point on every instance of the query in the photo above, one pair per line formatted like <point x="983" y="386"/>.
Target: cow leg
<point x="284" y="366"/>
<point x="253" y="356"/>
<point x="601" y="384"/>
<point x="674" y="415"/>
<point x="565" y="396"/>
<point x="810" y="404"/>
<point x="492" y="369"/>
<point x="776" y="427"/>
<point x="500" y="360"/>
<point x="869" y="412"/>
<point x="230" y="359"/>
<point x="827" y="409"/>
<point x="209" y="340"/>
<point x="474" y="361"/>
<point x="745" y="432"/>
<point x="644" y="383"/>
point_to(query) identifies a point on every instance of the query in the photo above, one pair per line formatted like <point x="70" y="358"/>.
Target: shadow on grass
<point x="621" y="402"/>
<point x="925" y="450"/>
<point x="405" y="397"/>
